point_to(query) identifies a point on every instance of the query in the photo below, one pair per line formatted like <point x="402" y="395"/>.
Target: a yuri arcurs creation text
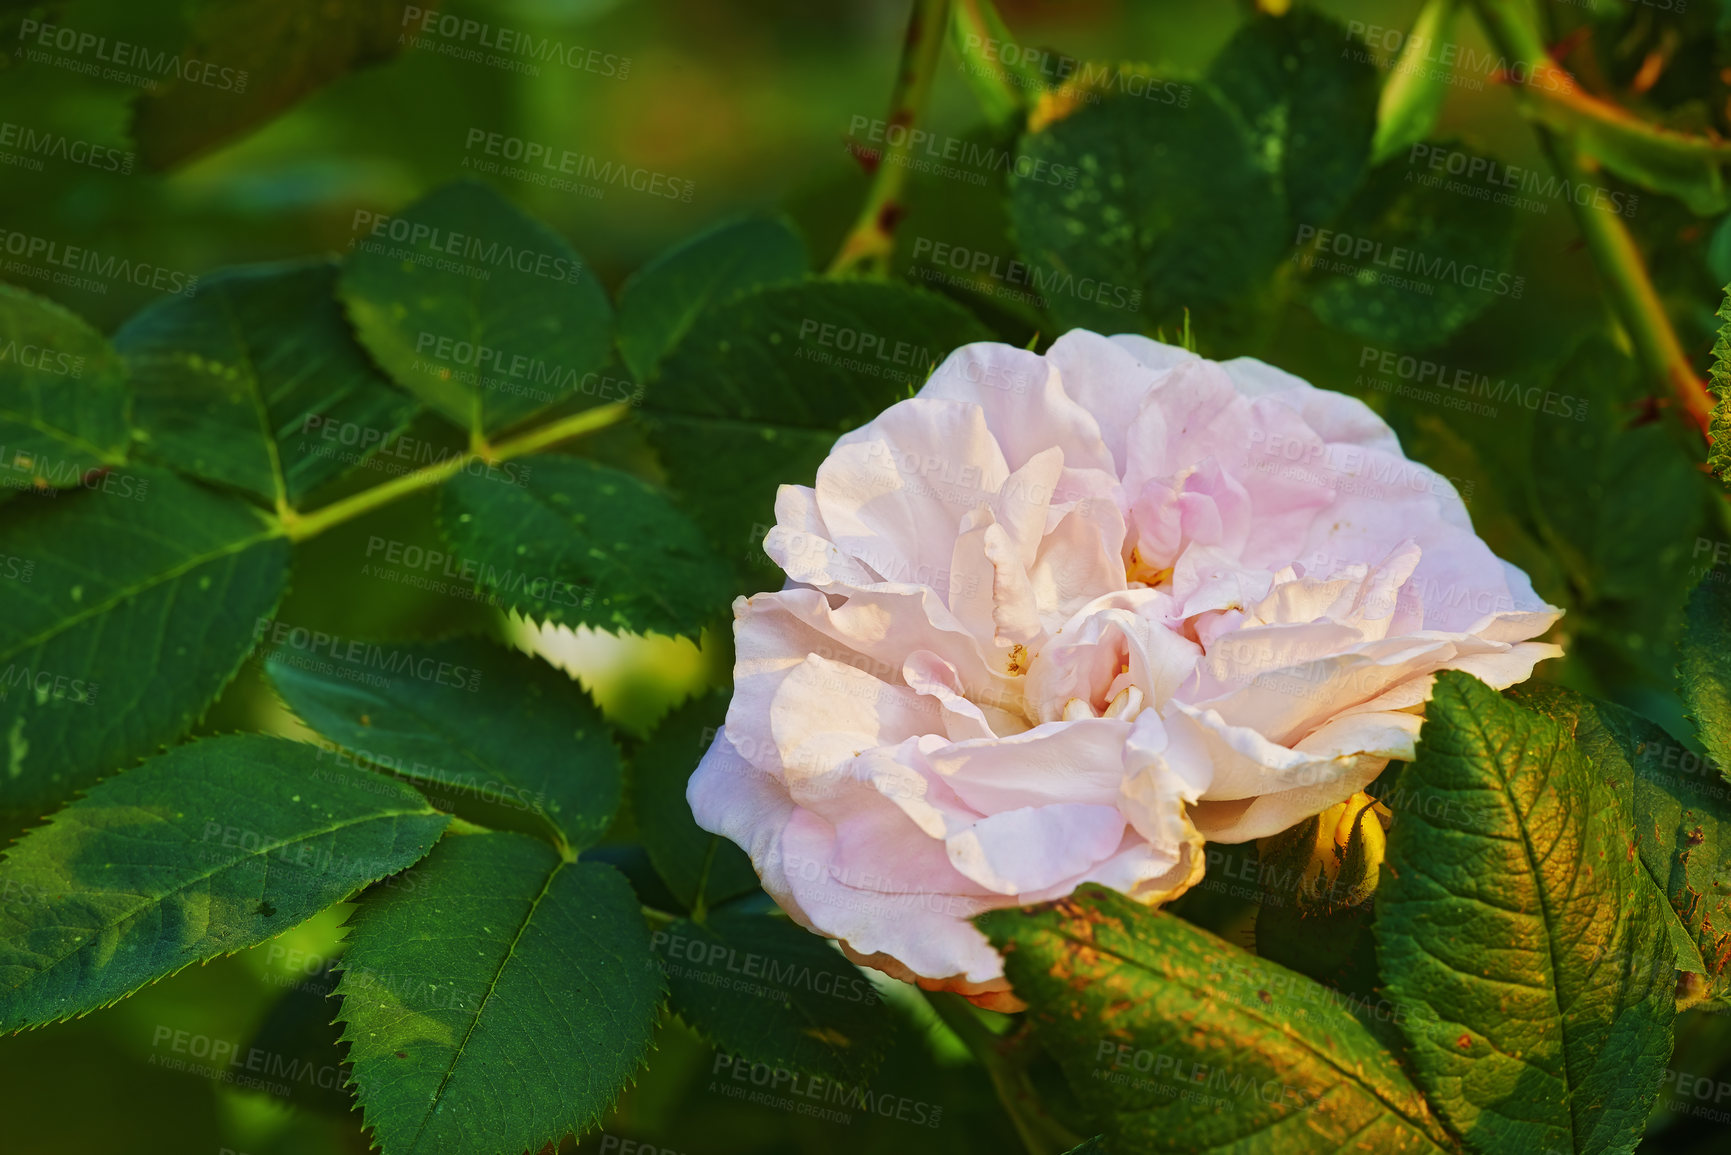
<point x="1060" y="619"/>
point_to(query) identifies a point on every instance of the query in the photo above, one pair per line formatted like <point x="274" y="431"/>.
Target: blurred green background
<point x="752" y="103"/>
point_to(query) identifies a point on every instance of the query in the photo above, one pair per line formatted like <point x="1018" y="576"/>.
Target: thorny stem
<point x="869" y="245"/>
<point x="1511" y="29"/>
<point x="300" y="526"/>
<point x="1041" y="1134"/>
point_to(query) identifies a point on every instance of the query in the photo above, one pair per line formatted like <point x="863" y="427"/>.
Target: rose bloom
<point x="1060" y="619"/>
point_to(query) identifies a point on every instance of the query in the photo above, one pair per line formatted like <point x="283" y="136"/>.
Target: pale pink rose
<point x="1060" y="619"/>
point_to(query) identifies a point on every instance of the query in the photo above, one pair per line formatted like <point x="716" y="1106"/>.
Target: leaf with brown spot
<point x="1170" y="1048"/>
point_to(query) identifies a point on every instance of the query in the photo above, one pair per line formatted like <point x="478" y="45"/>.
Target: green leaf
<point x="1302" y="84"/>
<point x="236" y="384"/>
<point x="478" y="309"/>
<point x="582" y="544"/>
<point x="760" y="388"/>
<point x="1516" y="930"/>
<point x="526" y="736"/>
<point x="205" y="850"/>
<point x="1175" y="205"/>
<point x="1682" y="813"/>
<point x="498" y="1000"/>
<point x="1412" y="96"/>
<point x="1409" y="264"/>
<point x="772" y="992"/>
<point x="63" y="395"/>
<point x="1719" y="431"/>
<point x="660" y="301"/>
<point x="1094" y="1146"/>
<point x="1176" y="1041"/>
<point x="145" y="598"/>
<point x="1704" y="667"/>
<point x="250" y="59"/>
<point x="1616" y="540"/>
<point x="698" y="867"/>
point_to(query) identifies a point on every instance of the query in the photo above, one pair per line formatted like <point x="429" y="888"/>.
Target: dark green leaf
<point x="1704" y="666"/>
<point x="497" y="1000"/>
<point x="1179" y="1042"/>
<point x="63" y="395"/>
<point x="237" y="384"/>
<point x="250" y="59"/>
<point x="766" y="989"/>
<point x="1616" y="540"/>
<point x="1175" y="206"/>
<point x="476" y="308"/>
<point x="1719" y="434"/>
<point x="202" y="851"/>
<point x="760" y="388"/>
<point x="1408" y="264"/>
<point x="1515" y="928"/>
<point x="582" y="544"/>
<point x="1304" y="87"/>
<point x="689" y="859"/>
<point x="525" y="735"/>
<point x="146" y="595"/>
<point x="660" y="301"/>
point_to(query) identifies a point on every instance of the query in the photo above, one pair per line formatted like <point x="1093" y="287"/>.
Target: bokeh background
<point x="752" y="105"/>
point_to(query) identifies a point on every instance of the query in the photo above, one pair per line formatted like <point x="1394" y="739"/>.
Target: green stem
<point x="1511" y="28"/>
<point x="301" y="526"/>
<point x="870" y="244"/>
<point x="1041" y="1134"/>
